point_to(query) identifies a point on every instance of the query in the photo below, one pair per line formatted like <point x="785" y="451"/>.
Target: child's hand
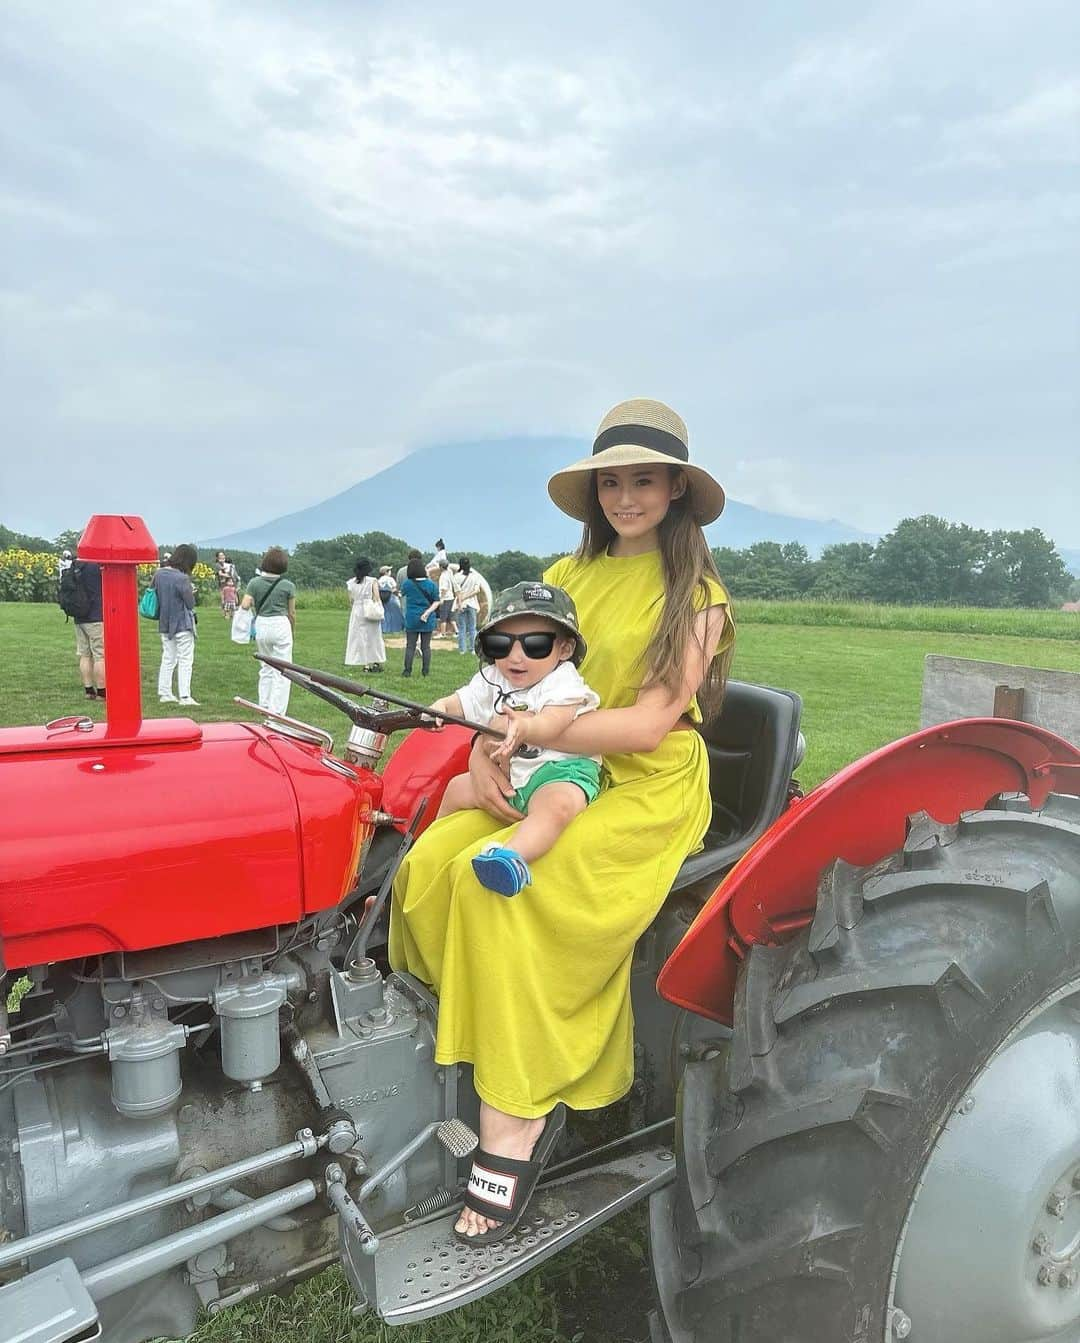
<point x="516" y="723"/>
<point x="432" y="717"/>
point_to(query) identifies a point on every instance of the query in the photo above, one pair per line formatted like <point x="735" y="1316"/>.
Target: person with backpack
<point x="80" y="598"/>
<point x="176" y="624"/>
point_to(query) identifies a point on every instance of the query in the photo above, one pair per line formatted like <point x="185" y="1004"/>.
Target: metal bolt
<point x="313" y="996"/>
<point x="1056" y="1205"/>
<point x="899" y="1323"/>
<point x="378" y="1015"/>
<point x="967" y="1105"/>
<point x="1068" y="1278"/>
<point x="1046" y="1275"/>
<point x="159" y="1004"/>
<point x="1041" y="1243"/>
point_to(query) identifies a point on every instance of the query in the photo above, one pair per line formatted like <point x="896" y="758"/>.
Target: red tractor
<point x="858" y="1032"/>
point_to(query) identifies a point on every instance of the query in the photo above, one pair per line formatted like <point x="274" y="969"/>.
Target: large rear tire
<point x="889" y="1145"/>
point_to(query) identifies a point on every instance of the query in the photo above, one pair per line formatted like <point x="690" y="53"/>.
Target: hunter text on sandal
<point x="500" y="1187"/>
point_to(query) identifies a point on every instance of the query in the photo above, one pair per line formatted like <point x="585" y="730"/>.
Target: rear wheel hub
<point x="992" y="1245"/>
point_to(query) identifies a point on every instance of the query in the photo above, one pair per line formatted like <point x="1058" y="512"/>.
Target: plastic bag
<point x="241" y="625"/>
<point x="148" y="604"/>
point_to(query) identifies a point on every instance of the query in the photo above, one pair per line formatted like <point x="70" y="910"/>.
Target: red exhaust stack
<point x="119" y="545"/>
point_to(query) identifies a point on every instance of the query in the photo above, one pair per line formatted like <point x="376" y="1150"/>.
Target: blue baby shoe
<point x="502" y="870"/>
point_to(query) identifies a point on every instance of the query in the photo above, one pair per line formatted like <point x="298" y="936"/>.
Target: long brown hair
<point x="687" y="563"/>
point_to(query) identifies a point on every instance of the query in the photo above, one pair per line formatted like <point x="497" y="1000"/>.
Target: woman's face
<point x="635" y="499"/>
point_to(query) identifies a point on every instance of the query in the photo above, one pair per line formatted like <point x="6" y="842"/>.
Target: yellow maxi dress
<point x="534" y="990"/>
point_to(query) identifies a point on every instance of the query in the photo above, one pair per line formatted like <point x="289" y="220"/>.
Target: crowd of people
<point x="424" y="600"/>
<point x="437" y="598"/>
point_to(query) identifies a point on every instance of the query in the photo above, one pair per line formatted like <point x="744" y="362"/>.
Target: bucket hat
<point x="630" y="434"/>
<point x="538" y="599"/>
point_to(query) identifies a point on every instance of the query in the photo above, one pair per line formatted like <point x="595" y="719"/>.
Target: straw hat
<point x="630" y="434"/>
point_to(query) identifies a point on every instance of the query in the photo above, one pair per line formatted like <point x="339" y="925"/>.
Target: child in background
<point x="228" y="599"/>
<point x="530" y="649"/>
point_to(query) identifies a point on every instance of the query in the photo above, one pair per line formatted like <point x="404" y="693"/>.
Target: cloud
<point x="1042" y="127"/>
<point x="827" y="82"/>
<point x="320" y="235"/>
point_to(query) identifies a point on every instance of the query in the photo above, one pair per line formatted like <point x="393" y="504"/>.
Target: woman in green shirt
<point x="272" y="597"/>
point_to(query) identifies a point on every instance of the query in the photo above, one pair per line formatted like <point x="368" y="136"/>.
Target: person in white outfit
<point x="272" y="598"/>
<point x="467" y="593"/>
<point x="364" y="645"/>
<point x="176" y="624"/>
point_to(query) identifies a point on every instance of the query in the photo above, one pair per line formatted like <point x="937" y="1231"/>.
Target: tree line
<point x="922" y="561"/>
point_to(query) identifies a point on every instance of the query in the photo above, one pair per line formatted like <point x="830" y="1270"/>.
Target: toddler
<point x="529" y="650"/>
<point x="228" y="599"/>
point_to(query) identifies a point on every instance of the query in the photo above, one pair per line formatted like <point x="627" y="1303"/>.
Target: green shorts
<point x="577" y="769"/>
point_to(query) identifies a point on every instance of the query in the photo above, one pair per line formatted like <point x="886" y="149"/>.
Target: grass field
<point x="860" y="683"/>
<point x="859" y="671"/>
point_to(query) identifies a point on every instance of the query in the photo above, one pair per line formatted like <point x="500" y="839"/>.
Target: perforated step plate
<point x="425" y="1270"/>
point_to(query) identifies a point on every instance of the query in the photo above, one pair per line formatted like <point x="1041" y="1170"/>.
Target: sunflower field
<point x="34" y="575"/>
<point x="28" y="576"/>
<point x="203" y="578"/>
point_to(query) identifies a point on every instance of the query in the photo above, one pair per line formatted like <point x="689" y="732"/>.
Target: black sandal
<point x="500" y="1187"/>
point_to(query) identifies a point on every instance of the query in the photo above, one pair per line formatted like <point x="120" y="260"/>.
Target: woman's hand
<point x="491" y="782"/>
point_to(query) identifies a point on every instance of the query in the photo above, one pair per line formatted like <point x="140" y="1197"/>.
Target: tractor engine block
<point x="195" y="1069"/>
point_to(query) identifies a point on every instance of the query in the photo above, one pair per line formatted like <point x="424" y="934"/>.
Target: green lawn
<point x="861" y="688"/>
<point x="860" y="685"/>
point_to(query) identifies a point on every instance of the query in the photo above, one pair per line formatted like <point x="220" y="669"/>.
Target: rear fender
<point x="859" y="815"/>
<point x="422" y="766"/>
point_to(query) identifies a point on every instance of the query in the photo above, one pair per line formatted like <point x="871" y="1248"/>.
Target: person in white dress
<point x="364" y="646"/>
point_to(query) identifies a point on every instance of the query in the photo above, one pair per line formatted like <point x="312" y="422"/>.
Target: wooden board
<point x="964" y="688"/>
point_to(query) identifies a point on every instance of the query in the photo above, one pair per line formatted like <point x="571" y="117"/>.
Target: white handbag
<point x="370" y="606"/>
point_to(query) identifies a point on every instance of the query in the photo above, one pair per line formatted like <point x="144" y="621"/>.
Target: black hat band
<point x="642" y="436"/>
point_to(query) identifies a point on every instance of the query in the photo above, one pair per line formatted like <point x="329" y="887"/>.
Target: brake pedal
<point x="457" y="1137"/>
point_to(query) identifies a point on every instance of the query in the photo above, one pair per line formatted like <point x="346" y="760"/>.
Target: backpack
<point x="74" y="598"/>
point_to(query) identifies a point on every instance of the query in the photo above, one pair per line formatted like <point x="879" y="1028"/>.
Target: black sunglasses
<point x="535" y="644"/>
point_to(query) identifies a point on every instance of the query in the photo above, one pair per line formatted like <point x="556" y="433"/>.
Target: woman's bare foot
<point x="502" y="1135"/>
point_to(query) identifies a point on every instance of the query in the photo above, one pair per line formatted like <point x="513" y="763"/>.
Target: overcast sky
<point x="254" y="252"/>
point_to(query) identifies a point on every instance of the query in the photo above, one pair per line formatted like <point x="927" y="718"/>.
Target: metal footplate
<point x="50" y="1305"/>
<point x="425" y="1270"/>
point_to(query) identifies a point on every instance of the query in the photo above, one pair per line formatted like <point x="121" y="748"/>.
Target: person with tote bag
<point x="272" y="598"/>
<point x="364" y="645"/>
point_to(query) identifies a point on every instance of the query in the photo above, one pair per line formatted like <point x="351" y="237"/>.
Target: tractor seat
<point x="753" y="749"/>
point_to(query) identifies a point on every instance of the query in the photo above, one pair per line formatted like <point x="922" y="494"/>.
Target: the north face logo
<point x="536" y="593"/>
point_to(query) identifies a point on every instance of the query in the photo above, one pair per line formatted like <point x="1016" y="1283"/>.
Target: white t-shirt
<point x="482" y="698"/>
<point x="467" y="587"/>
<point x="446" y="585"/>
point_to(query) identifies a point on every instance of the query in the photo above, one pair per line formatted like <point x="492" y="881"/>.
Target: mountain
<point x="492" y="496"/>
<point x="1072" y="560"/>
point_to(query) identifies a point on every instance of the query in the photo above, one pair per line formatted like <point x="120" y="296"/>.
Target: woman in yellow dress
<point x="534" y="991"/>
